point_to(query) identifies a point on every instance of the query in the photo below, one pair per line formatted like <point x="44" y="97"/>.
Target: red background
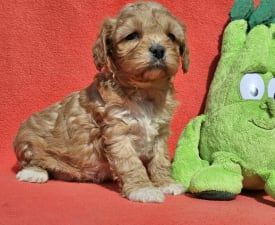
<point x="46" y="51"/>
<point x="45" y="54"/>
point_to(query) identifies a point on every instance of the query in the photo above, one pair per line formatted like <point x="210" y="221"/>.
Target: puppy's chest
<point x="149" y="130"/>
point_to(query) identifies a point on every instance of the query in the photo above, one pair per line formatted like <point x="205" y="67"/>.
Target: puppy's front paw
<point x="147" y="194"/>
<point x="172" y="189"/>
<point x="32" y="175"/>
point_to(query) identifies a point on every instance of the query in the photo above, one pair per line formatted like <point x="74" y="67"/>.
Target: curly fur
<point x="116" y="128"/>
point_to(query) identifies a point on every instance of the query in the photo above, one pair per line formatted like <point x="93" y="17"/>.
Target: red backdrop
<point x="46" y="54"/>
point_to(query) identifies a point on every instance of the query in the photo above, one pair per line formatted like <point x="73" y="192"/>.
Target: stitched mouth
<point x="264" y="124"/>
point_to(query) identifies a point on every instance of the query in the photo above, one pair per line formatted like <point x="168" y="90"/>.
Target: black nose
<point x="157" y="51"/>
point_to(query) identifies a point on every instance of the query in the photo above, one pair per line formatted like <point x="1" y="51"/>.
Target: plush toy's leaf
<point x="264" y="14"/>
<point x="242" y="9"/>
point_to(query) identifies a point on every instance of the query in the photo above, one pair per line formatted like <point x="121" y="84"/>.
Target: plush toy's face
<point x="257" y="92"/>
<point x="243" y="121"/>
<point x="251" y="76"/>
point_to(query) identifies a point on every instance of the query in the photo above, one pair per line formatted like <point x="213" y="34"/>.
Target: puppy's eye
<point x="171" y="36"/>
<point x="132" y="36"/>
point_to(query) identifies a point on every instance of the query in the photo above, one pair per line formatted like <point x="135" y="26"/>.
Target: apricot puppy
<point x="116" y="128"/>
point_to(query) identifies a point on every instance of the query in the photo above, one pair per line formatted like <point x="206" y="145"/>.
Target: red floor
<point x="63" y="203"/>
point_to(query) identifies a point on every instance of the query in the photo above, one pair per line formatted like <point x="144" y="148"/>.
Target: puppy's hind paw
<point x="147" y="194"/>
<point x="34" y="175"/>
<point x="172" y="189"/>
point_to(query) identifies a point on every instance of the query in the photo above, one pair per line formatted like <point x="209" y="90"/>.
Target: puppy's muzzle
<point x="158" y="56"/>
<point x="157" y="51"/>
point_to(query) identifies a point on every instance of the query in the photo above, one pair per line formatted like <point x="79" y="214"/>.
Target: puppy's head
<point x="143" y="43"/>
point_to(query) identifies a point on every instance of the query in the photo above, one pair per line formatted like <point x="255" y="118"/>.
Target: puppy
<point x="116" y="128"/>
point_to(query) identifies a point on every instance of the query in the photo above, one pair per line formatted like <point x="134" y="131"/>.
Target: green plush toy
<point x="232" y="145"/>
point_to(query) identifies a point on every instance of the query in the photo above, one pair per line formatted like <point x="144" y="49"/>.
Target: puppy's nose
<point x="157" y="51"/>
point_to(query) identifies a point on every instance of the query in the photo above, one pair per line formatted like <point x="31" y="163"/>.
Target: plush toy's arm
<point x="187" y="160"/>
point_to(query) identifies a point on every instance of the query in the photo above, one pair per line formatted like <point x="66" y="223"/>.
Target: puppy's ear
<point x="103" y="44"/>
<point x="184" y="51"/>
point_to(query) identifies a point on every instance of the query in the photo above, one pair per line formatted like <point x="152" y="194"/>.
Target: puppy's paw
<point x="33" y="175"/>
<point x="172" y="189"/>
<point x="147" y="194"/>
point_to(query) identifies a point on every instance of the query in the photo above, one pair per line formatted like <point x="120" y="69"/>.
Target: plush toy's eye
<point x="271" y="88"/>
<point x="252" y="86"/>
